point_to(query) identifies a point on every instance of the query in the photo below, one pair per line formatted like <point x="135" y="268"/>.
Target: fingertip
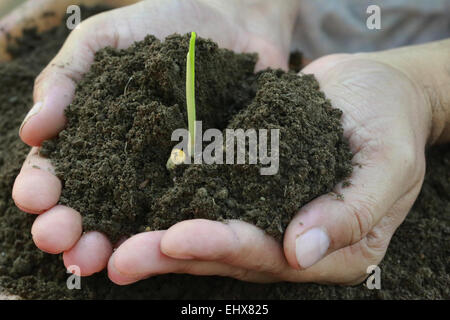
<point x="140" y="257"/>
<point x="57" y="230"/>
<point x="115" y="276"/>
<point x="91" y="253"/>
<point x="36" y="190"/>
<point x="306" y="240"/>
<point x="176" y="245"/>
<point x="54" y="90"/>
<point x="43" y="122"/>
<point x="136" y="255"/>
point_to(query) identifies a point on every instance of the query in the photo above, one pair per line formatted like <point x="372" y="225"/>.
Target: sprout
<point x="177" y="156"/>
<point x="190" y="93"/>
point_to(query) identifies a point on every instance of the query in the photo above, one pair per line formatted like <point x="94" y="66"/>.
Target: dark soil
<point x="112" y="156"/>
<point x="416" y="264"/>
<point x="296" y="61"/>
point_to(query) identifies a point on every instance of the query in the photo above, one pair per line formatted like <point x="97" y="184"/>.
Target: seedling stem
<point x="190" y="93"/>
<point x="178" y="156"/>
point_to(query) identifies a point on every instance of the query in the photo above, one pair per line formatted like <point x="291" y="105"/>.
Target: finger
<point x="348" y="266"/>
<point x="235" y="243"/>
<point x="90" y="254"/>
<point x="327" y="223"/>
<point x="34" y="160"/>
<point x="140" y="257"/>
<point x="57" y="230"/>
<point x="36" y="188"/>
<point x="53" y="91"/>
<point x="320" y="67"/>
<point x="344" y="266"/>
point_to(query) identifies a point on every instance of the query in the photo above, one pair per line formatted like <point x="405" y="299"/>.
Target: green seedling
<point x="190" y="93"/>
<point x="178" y="156"/>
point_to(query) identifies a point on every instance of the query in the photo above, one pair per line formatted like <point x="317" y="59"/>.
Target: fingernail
<point x="34" y="111"/>
<point x="311" y="246"/>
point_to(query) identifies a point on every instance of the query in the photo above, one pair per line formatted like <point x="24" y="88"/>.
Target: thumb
<point x="384" y="148"/>
<point x="388" y="155"/>
<point x="343" y="218"/>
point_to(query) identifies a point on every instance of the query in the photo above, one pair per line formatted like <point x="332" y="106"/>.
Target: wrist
<point x="425" y="65"/>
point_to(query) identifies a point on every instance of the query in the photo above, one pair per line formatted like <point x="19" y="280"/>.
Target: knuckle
<point x="406" y="155"/>
<point x="374" y="247"/>
<point x="362" y="218"/>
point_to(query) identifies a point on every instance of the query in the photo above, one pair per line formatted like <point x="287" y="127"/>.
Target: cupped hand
<point x="333" y="239"/>
<point x="37" y="190"/>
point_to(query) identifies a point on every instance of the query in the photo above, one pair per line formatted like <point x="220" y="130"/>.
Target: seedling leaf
<point x="190" y="93"/>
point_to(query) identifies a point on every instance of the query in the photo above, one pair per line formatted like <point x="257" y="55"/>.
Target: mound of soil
<point x="112" y="156"/>
<point x="415" y="266"/>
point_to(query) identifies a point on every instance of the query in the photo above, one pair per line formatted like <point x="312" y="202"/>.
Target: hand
<point x="37" y="190"/>
<point x="387" y="120"/>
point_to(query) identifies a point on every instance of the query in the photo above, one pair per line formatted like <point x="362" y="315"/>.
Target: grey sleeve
<point x="332" y="26"/>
